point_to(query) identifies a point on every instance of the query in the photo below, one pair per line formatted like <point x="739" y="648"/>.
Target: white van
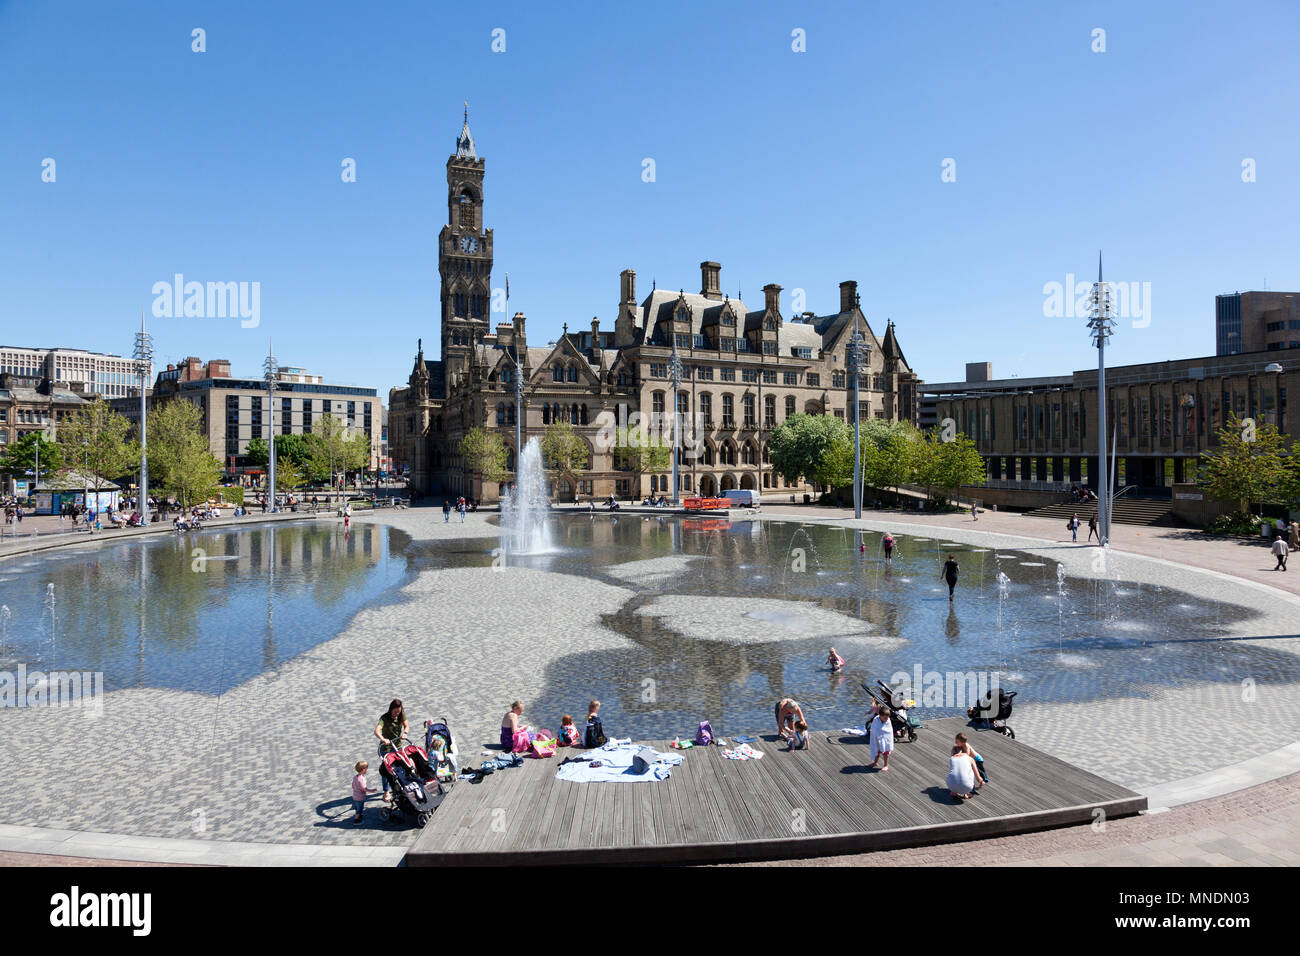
<point x="742" y="497"/>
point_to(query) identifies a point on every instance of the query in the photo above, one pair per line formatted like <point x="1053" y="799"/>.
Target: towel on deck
<point x="615" y="766"/>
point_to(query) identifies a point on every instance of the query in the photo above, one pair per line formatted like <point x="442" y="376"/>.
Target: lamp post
<point x="858" y="347"/>
<point x="143" y="356"/>
<point x="271" y="375"/>
<point x="1101" y="322"/>
<point x="675" y="374"/>
<point x="1277" y="370"/>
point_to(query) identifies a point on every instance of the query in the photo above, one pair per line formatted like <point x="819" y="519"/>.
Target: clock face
<point x="468" y="244"/>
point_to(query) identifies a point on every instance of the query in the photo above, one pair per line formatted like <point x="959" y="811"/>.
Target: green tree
<point x="643" y="452"/>
<point x="95" y="442"/>
<point x="484" y="453"/>
<point x="287" y="475"/>
<point x="1248" y="465"/>
<point x="818" y="448"/>
<point x="21" y="457"/>
<point x="332" y="447"/>
<point x="888" y="453"/>
<point x="565" y="453"/>
<point x="257" y="451"/>
<point x="180" y="459"/>
<point x="941" y="467"/>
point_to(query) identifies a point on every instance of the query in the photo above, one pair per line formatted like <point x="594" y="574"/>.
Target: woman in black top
<point x="949" y="574"/>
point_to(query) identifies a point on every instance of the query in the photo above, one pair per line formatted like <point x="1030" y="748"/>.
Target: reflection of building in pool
<point x="745" y="370"/>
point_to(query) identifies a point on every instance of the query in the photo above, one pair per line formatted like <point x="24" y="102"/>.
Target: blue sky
<point x="801" y="168"/>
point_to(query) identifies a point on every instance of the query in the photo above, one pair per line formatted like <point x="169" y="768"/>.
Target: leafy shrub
<point x="1235" y="522"/>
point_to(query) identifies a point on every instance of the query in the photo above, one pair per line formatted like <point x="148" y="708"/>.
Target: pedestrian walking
<point x="446" y="511"/>
<point x="461" y="508"/>
<point x="1092" y="528"/>
<point x="1073" y="525"/>
<point x="974" y="512"/>
<point x="1280" y="551"/>
<point x="887" y="542"/>
<point x="949" y="574"/>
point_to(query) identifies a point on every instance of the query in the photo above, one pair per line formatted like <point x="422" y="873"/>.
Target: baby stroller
<point x="987" y="716"/>
<point x="413" y="782"/>
<point x="441" y="751"/>
<point x="905" y="725"/>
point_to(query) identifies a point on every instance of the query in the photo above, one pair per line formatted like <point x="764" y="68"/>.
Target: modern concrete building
<point x="745" y="370"/>
<point x="1039" y="434"/>
<point x="236" y="410"/>
<point x="1256" y="322"/>
<point x="76" y="370"/>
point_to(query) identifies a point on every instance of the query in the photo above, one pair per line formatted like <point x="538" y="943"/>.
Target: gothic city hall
<point x="739" y="373"/>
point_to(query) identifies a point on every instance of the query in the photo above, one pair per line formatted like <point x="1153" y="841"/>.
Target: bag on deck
<point x="544" y="747"/>
<point x="643" y="758"/>
<point x="704" y="736"/>
<point x="521" y="744"/>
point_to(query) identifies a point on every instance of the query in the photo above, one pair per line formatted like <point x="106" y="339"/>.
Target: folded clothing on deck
<point x="743" y="752"/>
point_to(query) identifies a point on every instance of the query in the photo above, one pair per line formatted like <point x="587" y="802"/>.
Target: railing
<point x="1014" y="484"/>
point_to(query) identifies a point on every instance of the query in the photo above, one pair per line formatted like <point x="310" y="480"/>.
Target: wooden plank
<point x="713" y="809"/>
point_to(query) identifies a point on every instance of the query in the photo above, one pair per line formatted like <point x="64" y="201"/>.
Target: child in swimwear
<point x="834" y="661"/>
<point x="800" y="739"/>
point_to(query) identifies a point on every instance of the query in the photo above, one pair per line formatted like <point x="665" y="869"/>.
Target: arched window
<point x="546" y="414"/>
<point x="789" y="405"/>
<point x="706" y="409"/>
<point x="622" y="377"/>
<point x="510" y="459"/>
<point x="706" y="454"/>
<point x="747" y="453"/>
<point x="769" y="411"/>
<point x="767" y="481"/>
<point x="583" y="410"/>
<point x="747" y="403"/>
<point x="767" y="454"/>
<point x="510" y="414"/>
<point x="654" y="483"/>
<point x="683" y="403"/>
<point x="573" y="373"/>
<point x="657" y="403"/>
<point x="573" y="414"/>
<point x="557" y="373"/>
<point x="728" y="411"/>
<point x="501" y="413"/>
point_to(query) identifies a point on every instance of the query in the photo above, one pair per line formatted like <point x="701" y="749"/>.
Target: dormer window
<point x="769" y="324"/>
<point x="728" y="318"/>
<point x="683" y="315"/>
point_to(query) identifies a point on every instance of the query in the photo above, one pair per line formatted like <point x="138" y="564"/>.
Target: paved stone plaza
<point x="269" y="761"/>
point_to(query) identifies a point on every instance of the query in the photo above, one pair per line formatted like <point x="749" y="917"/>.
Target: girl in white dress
<point x="961" y="774"/>
<point x="882" y="738"/>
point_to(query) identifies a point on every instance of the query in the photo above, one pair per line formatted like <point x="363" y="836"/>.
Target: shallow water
<point x="244" y="614"/>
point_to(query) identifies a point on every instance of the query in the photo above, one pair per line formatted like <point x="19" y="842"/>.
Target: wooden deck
<point x="808" y="803"/>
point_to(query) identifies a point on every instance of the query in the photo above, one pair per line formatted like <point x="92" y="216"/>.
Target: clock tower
<point x="464" y="259"/>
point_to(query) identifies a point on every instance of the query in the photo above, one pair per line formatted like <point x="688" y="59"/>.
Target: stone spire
<point x="465" y="142"/>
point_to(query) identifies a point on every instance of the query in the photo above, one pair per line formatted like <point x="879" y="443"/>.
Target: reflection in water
<point x="1019" y="628"/>
<point x="207" y="611"/>
<point x="202" y="611"/>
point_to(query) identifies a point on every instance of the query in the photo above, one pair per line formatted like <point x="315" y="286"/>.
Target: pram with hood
<point x="441" y="751"/>
<point x="989" y="716"/>
<point x="905" y="725"/>
<point x="413" y="781"/>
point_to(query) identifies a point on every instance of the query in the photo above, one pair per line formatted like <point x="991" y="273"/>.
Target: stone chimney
<point x="595" y="339"/>
<point x="711" y="280"/>
<point x="627" y="285"/>
<point x="505" y="334"/>
<point x="520" y="339"/>
<point x="772" y="298"/>
<point x="848" y="295"/>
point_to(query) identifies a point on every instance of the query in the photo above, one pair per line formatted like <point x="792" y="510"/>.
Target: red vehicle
<point x="706" y="504"/>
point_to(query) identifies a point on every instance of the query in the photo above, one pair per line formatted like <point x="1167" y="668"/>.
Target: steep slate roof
<point x="659" y="305"/>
